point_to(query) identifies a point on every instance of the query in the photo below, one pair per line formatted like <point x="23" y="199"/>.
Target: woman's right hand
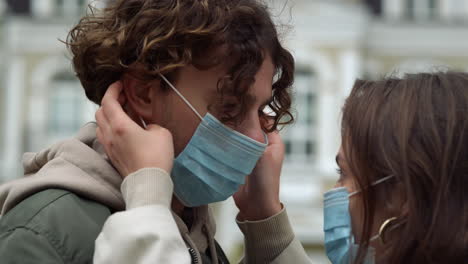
<point x="129" y="146"/>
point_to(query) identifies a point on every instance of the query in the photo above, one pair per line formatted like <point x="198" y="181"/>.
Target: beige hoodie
<point x="77" y="164"/>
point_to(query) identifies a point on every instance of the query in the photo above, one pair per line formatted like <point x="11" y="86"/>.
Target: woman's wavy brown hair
<point x="416" y="129"/>
<point x="148" y="37"/>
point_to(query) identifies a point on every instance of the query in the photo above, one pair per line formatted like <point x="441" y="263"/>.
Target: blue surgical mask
<point x="214" y="163"/>
<point x="339" y="239"/>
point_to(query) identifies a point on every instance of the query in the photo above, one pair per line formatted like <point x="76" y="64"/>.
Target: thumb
<point x="274" y="138"/>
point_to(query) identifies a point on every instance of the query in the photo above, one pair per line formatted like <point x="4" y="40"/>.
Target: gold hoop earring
<point x="384" y="228"/>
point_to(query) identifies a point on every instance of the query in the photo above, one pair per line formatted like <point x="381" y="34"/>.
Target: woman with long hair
<point x="402" y="195"/>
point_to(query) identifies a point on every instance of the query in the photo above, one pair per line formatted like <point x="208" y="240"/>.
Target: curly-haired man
<point x="190" y="79"/>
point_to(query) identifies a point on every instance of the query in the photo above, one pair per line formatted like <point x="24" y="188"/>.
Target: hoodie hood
<point x="78" y="165"/>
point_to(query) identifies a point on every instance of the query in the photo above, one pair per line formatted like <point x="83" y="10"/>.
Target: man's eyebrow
<point x="267" y="101"/>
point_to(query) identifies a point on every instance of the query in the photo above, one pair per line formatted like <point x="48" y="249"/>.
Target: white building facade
<point x="42" y="101"/>
<point x="333" y="41"/>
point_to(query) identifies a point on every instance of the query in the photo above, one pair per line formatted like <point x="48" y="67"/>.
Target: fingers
<point x="122" y="99"/>
<point x="153" y="127"/>
<point x="110" y="103"/>
<point x="102" y="122"/>
<point x="99" y="134"/>
<point x="274" y="138"/>
<point x="101" y="138"/>
<point x="113" y="113"/>
<point x="113" y="91"/>
<point x="103" y="131"/>
<point x="267" y="122"/>
<point x="161" y="132"/>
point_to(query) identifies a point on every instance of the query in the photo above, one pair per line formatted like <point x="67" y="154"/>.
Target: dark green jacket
<point x="56" y="226"/>
<point x="52" y="226"/>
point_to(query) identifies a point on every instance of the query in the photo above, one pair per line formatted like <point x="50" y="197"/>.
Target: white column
<point x="330" y="102"/>
<point x="350" y="69"/>
<point x="328" y="110"/>
<point x="2" y="7"/>
<point x="328" y="128"/>
<point x="14" y="121"/>
<point x="37" y="122"/>
<point x="43" y="8"/>
<point x="464" y="10"/>
<point x="444" y="9"/>
<point x="393" y="9"/>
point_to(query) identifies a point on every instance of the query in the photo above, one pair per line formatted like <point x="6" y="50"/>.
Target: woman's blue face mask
<point x="339" y="238"/>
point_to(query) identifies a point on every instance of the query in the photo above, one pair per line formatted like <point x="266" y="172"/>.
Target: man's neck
<point x="185" y="213"/>
<point x="179" y="208"/>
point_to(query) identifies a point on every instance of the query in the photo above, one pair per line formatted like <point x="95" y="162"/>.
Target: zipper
<point x="193" y="255"/>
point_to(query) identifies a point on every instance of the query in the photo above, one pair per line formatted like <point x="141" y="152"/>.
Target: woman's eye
<point x="340" y="172"/>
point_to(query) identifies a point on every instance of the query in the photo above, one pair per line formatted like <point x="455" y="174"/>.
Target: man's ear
<point x="140" y="95"/>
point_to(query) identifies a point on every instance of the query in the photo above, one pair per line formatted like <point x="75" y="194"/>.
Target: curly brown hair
<point x="148" y="37"/>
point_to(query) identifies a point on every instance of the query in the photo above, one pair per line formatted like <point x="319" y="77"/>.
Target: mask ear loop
<point x="143" y="122"/>
<point x="180" y="95"/>
<point x="382" y="180"/>
<point x="373" y="184"/>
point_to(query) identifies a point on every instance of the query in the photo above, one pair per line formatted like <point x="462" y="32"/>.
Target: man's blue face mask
<point x="339" y="239"/>
<point x="214" y="163"/>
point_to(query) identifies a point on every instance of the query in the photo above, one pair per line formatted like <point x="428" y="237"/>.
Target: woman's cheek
<point x="356" y="219"/>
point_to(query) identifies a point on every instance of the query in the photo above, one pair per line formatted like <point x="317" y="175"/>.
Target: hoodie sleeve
<point x="146" y="232"/>
<point x="272" y="240"/>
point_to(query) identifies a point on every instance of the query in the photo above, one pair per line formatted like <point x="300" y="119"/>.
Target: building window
<point x="421" y="9"/>
<point x="375" y="6"/>
<point x="65" y="106"/>
<point x="19" y="7"/>
<point x="298" y="138"/>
